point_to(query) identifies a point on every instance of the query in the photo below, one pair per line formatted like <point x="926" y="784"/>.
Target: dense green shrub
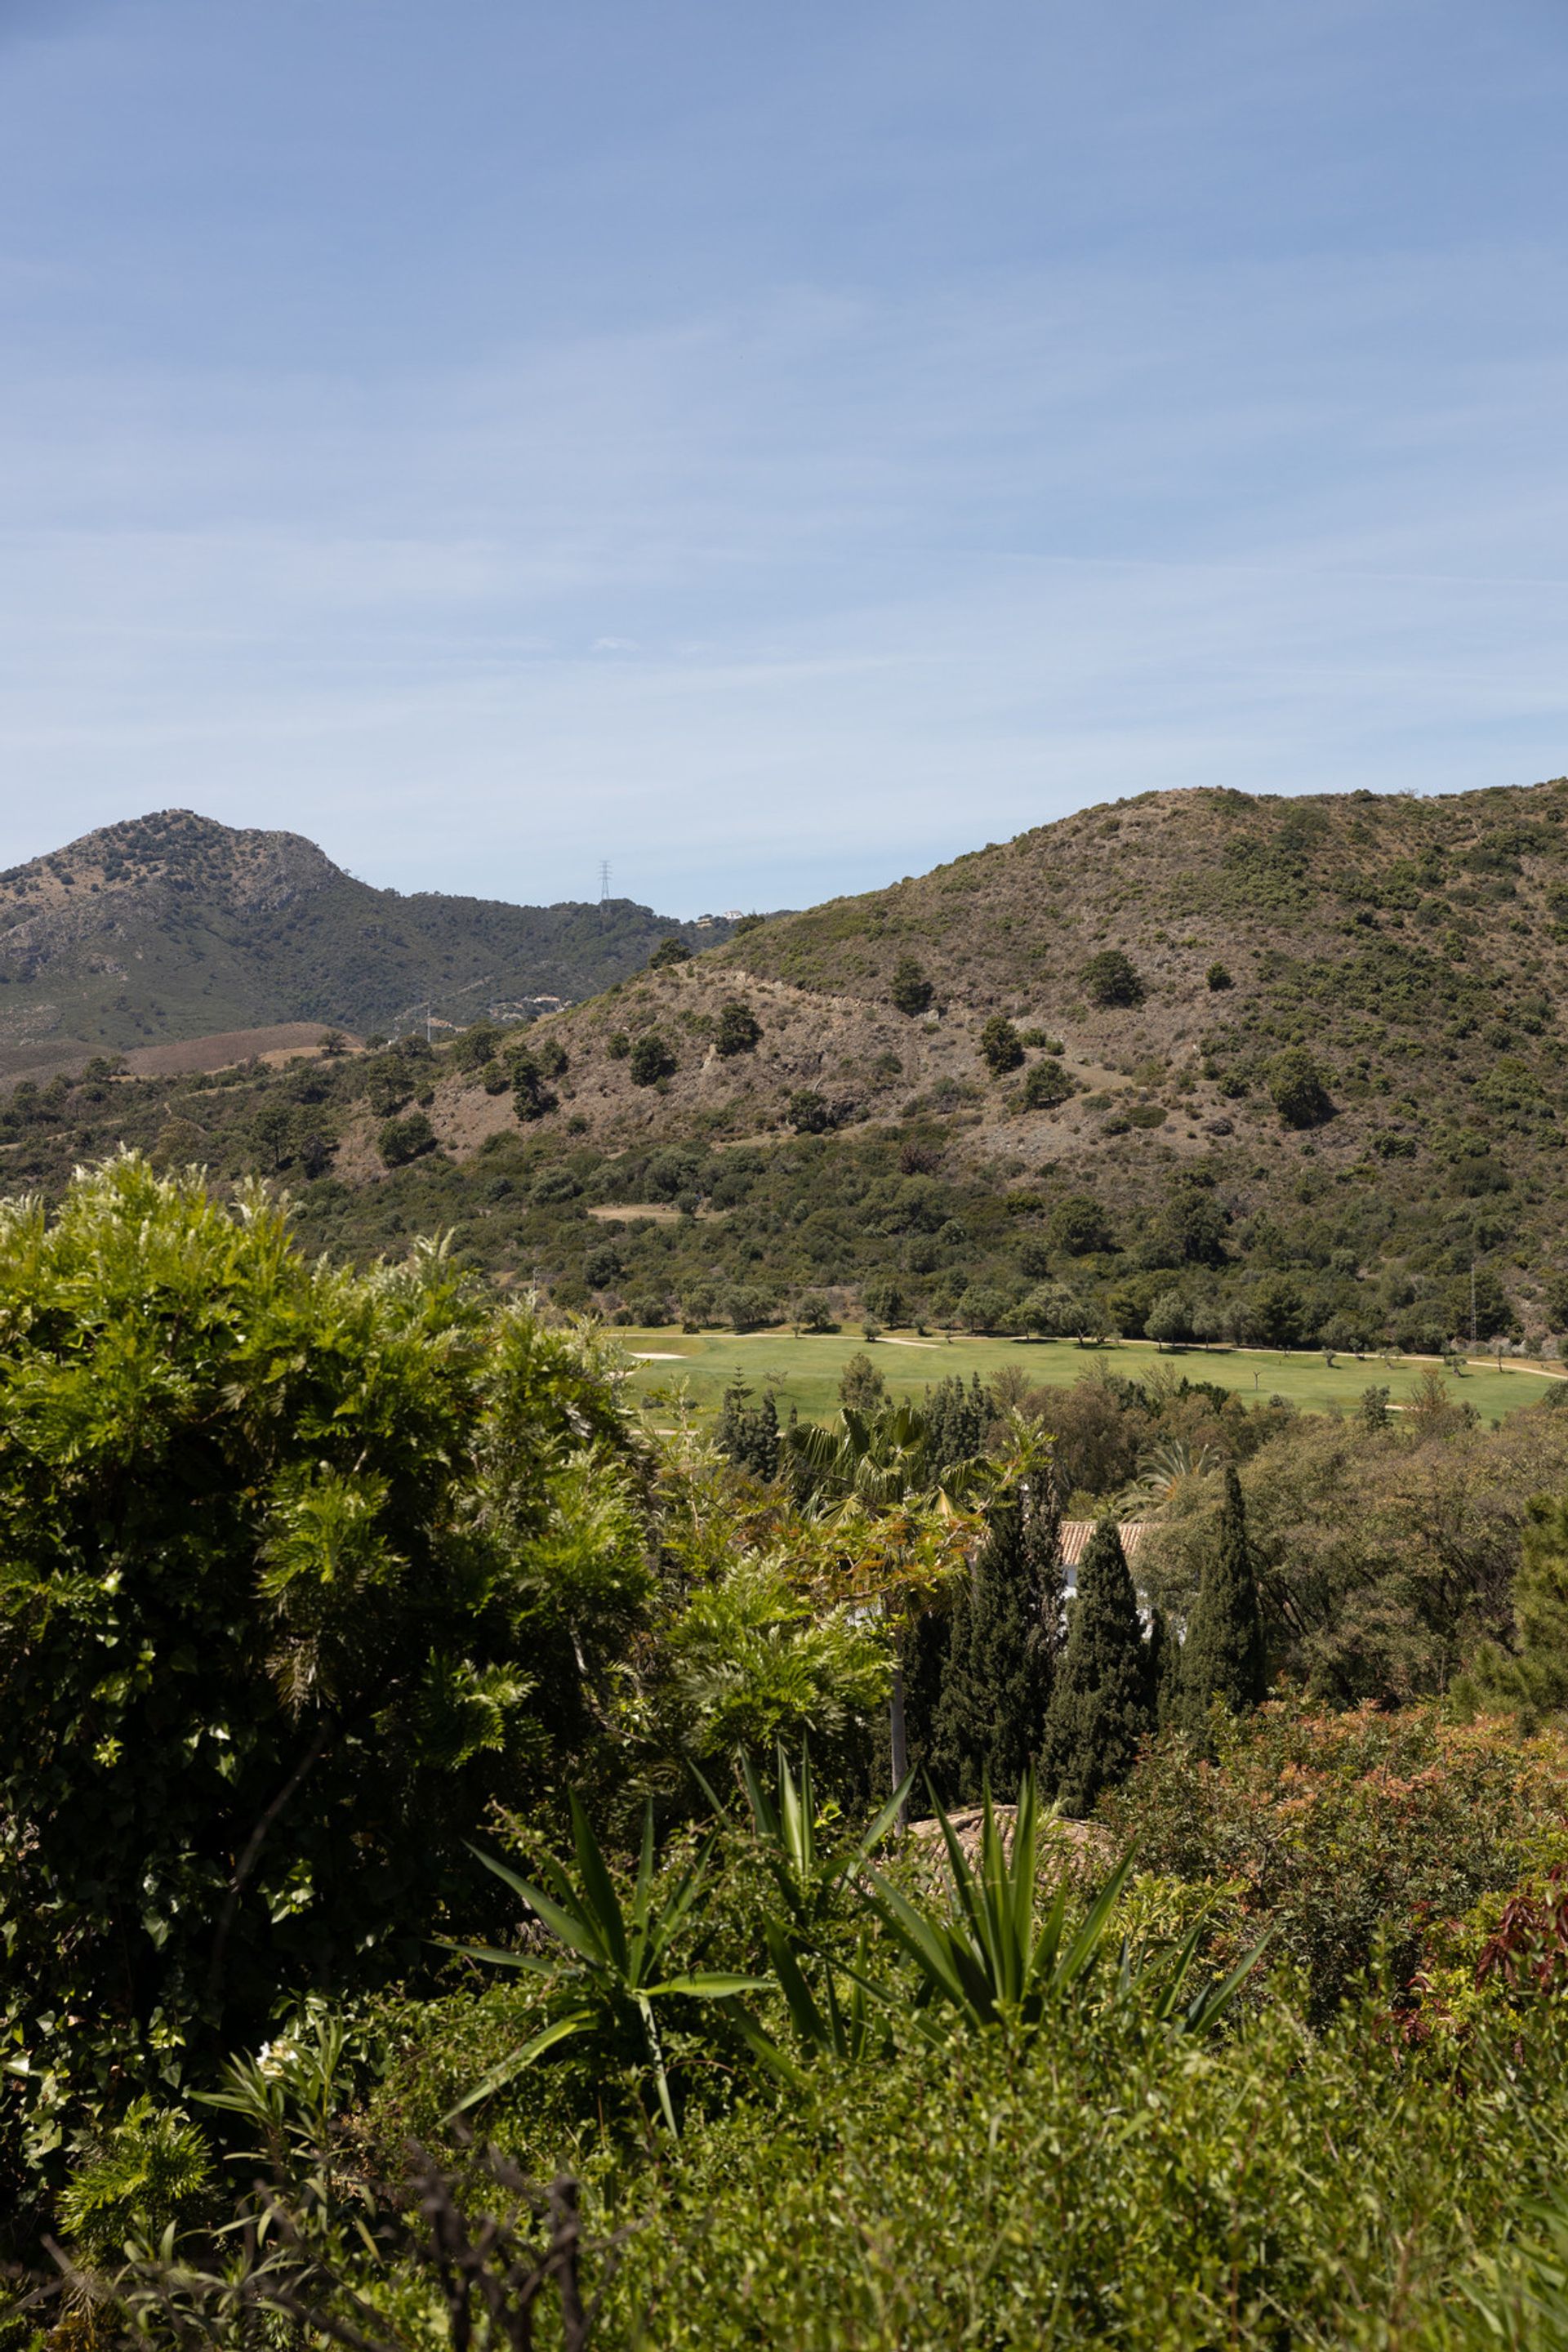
<point x="1106" y="2191"/>
<point x="301" y="1568"/>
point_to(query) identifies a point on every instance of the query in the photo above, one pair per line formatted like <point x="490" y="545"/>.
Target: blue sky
<point x="771" y="448"/>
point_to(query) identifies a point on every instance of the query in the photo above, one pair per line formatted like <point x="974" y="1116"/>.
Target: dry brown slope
<point x="1418" y="948"/>
<point x="1181" y="878"/>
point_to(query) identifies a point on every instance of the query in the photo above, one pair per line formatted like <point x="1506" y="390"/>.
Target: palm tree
<point x="1161" y="1473"/>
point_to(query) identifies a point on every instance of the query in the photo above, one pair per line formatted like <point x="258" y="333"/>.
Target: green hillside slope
<point x="172" y="926"/>
<point x="1197" y="1066"/>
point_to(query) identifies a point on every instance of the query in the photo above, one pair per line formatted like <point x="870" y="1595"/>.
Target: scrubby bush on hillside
<point x="1111" y="978"/>
<point x="1001" y="1047"/>
<point x="650" y="1060"/>
<point x="1044" y="1084"/>
<point x="532" y="1094"/>
<point x="809" y="1112"/>
<point x="1299" y="1089"/>
<point x="403" y="1139"/>
<point x="737" y="1029"/>
<point x="910" y="991"/>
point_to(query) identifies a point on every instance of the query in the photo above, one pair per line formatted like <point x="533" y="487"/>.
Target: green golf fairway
<point x="805" y="1372"/>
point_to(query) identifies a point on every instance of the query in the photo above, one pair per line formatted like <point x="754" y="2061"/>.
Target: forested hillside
<point x="171" y="926"/>
<point x="1200" y="1066"/>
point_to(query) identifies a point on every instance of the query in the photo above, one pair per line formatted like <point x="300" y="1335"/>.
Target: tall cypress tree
<point x="922" y="1655"/>
<point x="1001" y="1653"/>
<point x="957" y="1420"/>
<point x="1100" y="1707"/>
<point x="1223" y="1656"/>
<point x="1533" y="1682"/>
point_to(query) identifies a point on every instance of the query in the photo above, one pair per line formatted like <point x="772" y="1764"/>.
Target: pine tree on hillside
<point x="1223" y="1656"/>
<point x="1099" y="1709"/>
<point x="1002" y="1650"/>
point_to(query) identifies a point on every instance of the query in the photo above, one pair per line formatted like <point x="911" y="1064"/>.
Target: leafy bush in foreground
<point x="298" y="1569"/>
<point x="1109" y="2190"/>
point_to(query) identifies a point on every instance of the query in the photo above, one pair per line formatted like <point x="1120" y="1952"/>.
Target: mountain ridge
<point x="171" y="926"/>
<point x="1198" y="1061"/>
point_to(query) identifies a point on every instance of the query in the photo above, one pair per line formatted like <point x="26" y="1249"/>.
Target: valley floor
<point x="804" y="1372"/>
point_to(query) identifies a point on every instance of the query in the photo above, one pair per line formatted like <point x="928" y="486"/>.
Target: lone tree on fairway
<point x="1099" y="1709"/>
<point x="1002" y="1650"/>
<point x="1223" y="1657"/>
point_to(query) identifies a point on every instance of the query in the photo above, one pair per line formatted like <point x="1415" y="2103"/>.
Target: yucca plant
<point x="841" y="2023"/>
<point x="810" y="1878"/>
<point x="988" y="1957"/>
<point x="614" y="1972"/>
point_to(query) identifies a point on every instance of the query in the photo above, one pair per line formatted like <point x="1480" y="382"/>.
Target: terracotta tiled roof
<point x="1075" y="1534"/>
